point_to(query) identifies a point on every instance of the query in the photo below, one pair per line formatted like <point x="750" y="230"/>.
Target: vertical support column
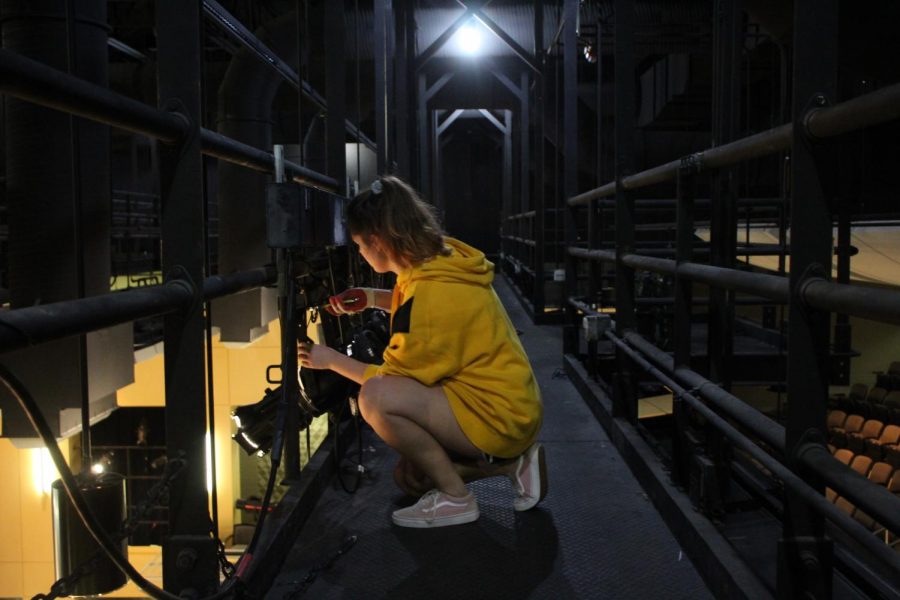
<point x="336" y="93"/>
<point x="189" y="554"/>
<point x="537" y="302"/>
<point x="595" y="221"/>
<point x="625" y="394"/>
<point x="423" y="121"/>
<point x="507" y="164"/>
<point x="684" y="297"/>
<point x="804" y="554"/>
<point x="404" y="91"/>
<point x="381" y="88"/>
<point x="524" y="147"/>
<point x="727" y="48"/>
<point x="843" y="333"/>
<point x="570" y="169"/>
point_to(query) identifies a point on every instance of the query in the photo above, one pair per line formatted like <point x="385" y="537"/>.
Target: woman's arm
<point x="320" y="356"/>
<point x="383" y="299"/>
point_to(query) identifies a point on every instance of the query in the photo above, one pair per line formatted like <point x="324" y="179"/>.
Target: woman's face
<point x="374" y="252"/>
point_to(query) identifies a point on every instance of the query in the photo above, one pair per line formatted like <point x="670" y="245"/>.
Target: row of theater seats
<point x="878" y="472"/>
<point x="878" y="402"/>
<point x="869" y="437"/>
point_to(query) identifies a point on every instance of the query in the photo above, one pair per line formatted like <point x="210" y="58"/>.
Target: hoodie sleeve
<point x="418" y="347"/>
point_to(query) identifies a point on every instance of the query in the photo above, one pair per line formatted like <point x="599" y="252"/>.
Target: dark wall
<point x="470" y="186"/>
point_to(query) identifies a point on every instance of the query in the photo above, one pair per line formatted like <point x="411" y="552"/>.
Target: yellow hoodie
<point x="449" y="328"/>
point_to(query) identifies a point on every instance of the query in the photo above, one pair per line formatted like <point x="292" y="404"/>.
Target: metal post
<point x="336" y="93"/>
<point x="805" y="555"/>
<point x="189" y="554"/>
<point x="422" y="117"/>
<point x="381" y="88"/>
<point x="727" y="48"/>
<point x="405" y="91"/>
<point x="683" y="313"/>
<point x="625" y="396"/>
<point x="507" y="193"/>
<point x="537" y="302"/>
<point x="524" y="202"/>
<point x="570" y="153"/>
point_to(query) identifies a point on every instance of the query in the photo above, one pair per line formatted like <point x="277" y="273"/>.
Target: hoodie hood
<point x="464" y="265"/>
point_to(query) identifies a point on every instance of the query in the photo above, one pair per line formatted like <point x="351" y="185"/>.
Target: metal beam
<point x="442" y="39"/>
<point x="449" y="121"/>
<point x="498" y="31"/>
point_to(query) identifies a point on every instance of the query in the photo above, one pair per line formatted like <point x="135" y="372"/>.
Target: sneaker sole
<point x="542" y="469"/>
<point x="440" y="522"/>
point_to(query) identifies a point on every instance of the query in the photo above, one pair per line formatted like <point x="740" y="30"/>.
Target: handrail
<point x="523" y="215"/>
<point x="36" y="82"/>
<point x="22" y="327"/>
<point x="877" y="304"/>
<point x="863" y="111"/>
<point x="792" y="481"/>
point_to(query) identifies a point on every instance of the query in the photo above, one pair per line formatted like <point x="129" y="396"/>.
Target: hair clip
<point x="376" y="187"/>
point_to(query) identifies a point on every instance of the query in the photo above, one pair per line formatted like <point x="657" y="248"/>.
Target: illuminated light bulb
<point x="469" y="39"/>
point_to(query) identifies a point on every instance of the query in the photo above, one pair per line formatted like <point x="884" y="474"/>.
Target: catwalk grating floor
<point x="596" y="535"/>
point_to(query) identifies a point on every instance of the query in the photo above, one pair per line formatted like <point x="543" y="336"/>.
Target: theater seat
<point x="853" y="424"/>
<point x="874" y="448"/>
<point x="871" y="429"/>
<point x="836" y="418"/>
<point x="861" y="464"/>
<point x="843" y="455"/>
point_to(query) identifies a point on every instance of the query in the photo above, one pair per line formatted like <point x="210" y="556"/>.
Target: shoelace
<point x="516" y="480"/>
<point x="432" y="497"/>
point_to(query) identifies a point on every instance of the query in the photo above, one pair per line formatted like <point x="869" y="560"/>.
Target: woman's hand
<point x="315" y="356"/>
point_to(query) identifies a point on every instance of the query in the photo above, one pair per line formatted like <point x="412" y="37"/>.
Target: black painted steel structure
<point x="794" y="453"/>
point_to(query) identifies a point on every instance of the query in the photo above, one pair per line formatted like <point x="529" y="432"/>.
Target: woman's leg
<point x="414" y="482"/>
<point x="416" y="420"/>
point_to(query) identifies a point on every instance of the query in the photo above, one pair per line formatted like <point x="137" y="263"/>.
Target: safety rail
<point x="32" y="325"/>
<point x="803" y="463"/>
<point x="864" y="111"/>
<point x="35" y="82"/>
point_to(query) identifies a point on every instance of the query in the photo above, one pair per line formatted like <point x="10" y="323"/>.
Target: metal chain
<point x="65" y="585"/>
<point x="226" y="566"/>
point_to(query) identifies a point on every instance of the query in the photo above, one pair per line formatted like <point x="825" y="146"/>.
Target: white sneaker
<point x="529" y="478"/>
<point x="437" y="509"/>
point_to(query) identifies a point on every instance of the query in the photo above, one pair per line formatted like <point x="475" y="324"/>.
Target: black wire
<point x="31" y="409"/>
<point x="336" y="453"/>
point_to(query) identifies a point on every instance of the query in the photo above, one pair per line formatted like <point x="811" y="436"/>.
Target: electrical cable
<point x="32" y="411"/>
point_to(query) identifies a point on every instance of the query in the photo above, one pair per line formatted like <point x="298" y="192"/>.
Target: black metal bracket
<point x="180" y="276"/>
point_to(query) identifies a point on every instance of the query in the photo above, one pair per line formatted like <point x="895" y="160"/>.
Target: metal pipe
<point x="875" y="500"/>
<point x="863" y="536"/>
<point x="760" y="425"/>
<point x="36" y="82"/>
<point x="877" y="304"/>
<point x="238" y="153"/>
<point x="870" y="109"/>
<point x="36" y="324"/>
<point x="239" y="33"/>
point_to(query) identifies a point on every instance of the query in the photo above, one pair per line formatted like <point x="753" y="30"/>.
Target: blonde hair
<point x="406" y="224"/>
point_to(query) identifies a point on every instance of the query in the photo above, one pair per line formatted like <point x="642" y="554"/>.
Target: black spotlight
<point x="256" y="423"/>
<point x="321" y="391"/>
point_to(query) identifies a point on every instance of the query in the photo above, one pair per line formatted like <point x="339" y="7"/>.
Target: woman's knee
<point x="372" y="398"/>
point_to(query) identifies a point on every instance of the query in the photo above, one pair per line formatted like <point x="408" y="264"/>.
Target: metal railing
<point x="35" y="82"/>
<point x="812" y="290"/>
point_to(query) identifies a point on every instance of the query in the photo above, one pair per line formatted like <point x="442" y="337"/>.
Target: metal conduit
<point x="36" y="324"/>
<point x="36" y="82"/>
<point x="818" y="502"/>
